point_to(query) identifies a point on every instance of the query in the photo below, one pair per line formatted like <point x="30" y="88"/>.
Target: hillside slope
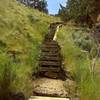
<point x="22" y="30"/>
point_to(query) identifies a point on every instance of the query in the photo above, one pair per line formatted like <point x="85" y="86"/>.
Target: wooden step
<point x="53" y="69"/>
<point x="49" y="63"/>
<point x="49" y="49"/>
<point x="50" y="46"/>
<point x="51" y="42"/>
<point x="49" y="36"/>
<point x="46" y="58"/>
<point x="47" y="98"/>
<point x="51" y="54"/>
<point x="49" y="39"/>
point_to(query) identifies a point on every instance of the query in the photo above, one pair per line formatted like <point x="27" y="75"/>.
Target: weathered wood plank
<point x="47" y="98"/>
<point x="47" y="58"/>
<point x="51" y="63"/>
<point x="50" y="49"/>
<point x="53" y="69"/>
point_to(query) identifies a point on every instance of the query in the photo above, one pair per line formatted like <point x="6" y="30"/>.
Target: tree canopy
<point x="79" y="10"/>
<point x="41" y="5"/>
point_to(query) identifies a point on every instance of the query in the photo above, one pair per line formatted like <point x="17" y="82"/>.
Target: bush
<point x="81" y="11"/>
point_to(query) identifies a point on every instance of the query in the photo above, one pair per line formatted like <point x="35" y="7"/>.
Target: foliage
<point x="79" y="10"/>
<point x="41" y="5"/>
<point x="77" y="60"/>
<point x="84" y="40"/>
<point x="22" y="30"/>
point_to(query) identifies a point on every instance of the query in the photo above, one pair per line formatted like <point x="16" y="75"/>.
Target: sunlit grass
<point x="78" y="63"/>
<point x="22" y="30"/>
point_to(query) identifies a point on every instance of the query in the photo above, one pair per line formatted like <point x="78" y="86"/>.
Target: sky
<point x="53" y="5"/>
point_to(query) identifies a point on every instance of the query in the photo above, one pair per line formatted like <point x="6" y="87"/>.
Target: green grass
<point x="22" y="30"/>
<point x="78" y="62"/>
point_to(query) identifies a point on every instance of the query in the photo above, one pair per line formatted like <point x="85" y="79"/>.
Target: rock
<point x="49" y="87"/>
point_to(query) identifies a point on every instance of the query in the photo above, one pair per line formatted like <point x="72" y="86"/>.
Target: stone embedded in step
<point x="49" y="87"/>
<point x="47" y="98"/>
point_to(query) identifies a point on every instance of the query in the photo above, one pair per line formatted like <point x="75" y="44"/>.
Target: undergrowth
<point x="77" y="59"/>
<point x="22" y="30"/>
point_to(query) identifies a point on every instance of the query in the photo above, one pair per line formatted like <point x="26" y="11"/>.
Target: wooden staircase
<point x="50" y="62"/>
<point x="50" y="77"/>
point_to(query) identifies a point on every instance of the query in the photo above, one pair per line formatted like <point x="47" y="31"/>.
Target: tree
<point x="43" y="6"/>
<point x="79" y="10"/>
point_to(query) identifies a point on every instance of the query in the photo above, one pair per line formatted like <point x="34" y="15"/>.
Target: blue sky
<point x="53" y="5"/>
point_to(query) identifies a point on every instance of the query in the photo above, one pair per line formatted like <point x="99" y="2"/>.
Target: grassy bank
<point x="22" y="30"/>
<point x="77" y="49"/>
